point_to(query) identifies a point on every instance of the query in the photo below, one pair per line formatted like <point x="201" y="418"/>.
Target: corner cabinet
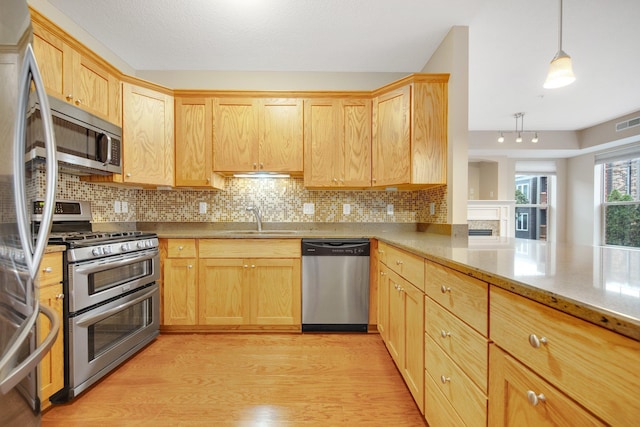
<point x="51" y="367"/>
<point x="337" y="143"/>
<point x="257" y="135"/>
<point x="74" y="74"/>
<point x="147" y="127"/>
<point x="194" y="143"/>
<point x="409" y="148"/>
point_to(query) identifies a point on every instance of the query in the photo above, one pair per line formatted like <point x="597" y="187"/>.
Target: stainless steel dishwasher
<point x="335" y="285"/>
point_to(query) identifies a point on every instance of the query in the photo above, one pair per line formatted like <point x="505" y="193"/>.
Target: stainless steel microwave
<point x="86" y="144"/>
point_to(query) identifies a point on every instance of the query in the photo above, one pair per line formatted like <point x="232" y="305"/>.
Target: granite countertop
<point x="598" y="284"/>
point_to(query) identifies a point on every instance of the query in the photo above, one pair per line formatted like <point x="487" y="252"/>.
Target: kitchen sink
<point x="263" y="232"/>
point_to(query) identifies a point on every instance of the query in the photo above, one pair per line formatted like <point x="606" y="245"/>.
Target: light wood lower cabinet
<point x="217" y="290"/>
<point x="51" y="367"/>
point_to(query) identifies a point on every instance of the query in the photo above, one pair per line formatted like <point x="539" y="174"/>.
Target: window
<point x="621" y="201"/>
<point x="522" y="222"/>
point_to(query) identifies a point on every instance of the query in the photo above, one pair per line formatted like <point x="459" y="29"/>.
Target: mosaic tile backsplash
<point x="280" y="200"/>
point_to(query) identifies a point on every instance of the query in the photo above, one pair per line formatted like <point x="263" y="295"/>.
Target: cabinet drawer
<point x="466" y="398"/>
<point x="592" y="365"/>
<point x="250" y="248"/>
<point x="464" y="296"/>
<point x="464" y="345"/>
<point x="50" y="269"/>
<point x="181" y="248"/>
<point x="407" y="265"/>
<point x="437" y="409"/>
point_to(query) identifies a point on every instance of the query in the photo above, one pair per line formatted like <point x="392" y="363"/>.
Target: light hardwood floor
<point x="249" y="380"/>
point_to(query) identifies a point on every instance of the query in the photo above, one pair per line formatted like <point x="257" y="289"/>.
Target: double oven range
<point x="112" y="302"/>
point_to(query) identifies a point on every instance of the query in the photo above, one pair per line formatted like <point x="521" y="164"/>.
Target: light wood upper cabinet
<point x="410" y="133"/>
<point x="194" y="144"/>
<point x="257" y="134"/>
<point x="337" y="143"/>
<point x="75" y="76"/>
<point x="147" y="137"/>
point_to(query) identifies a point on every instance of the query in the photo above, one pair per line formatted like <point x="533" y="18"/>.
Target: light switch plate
<point x="125" y="206"/>
<point x="389" y="209"/>
<point x="346" y="209"/>
<point x="117" y="206"/>
<point x="203" y="207"/>
<point x="308" y="209"/>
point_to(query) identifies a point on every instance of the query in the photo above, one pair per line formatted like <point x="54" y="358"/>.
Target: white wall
<point x="581" y="209"/>
<point x="452" y="56"/>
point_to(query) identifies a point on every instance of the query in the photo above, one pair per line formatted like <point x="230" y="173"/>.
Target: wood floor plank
<point x="249" y="380"/>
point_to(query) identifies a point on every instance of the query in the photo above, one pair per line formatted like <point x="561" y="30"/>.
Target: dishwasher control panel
<point x="335" y="247"/>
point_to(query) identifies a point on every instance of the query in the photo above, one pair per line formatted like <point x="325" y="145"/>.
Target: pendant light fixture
<point x="560" y="69"/>
<point x="519" y="131"/>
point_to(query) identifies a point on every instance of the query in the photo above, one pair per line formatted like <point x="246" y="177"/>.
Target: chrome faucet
<point x="256" y="213"/>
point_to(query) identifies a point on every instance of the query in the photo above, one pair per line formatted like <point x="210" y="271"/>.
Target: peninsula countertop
<point x="598" y="284"/>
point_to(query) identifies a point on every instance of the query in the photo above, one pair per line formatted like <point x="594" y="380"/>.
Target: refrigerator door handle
<point x="19" y="372"/>
<point x="33" y="255"/>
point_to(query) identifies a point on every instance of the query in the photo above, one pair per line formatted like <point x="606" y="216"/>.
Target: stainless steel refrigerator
<point x="20" y="251"/>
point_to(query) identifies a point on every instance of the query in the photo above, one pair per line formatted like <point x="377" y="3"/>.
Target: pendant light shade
<point x="560" y="69"/>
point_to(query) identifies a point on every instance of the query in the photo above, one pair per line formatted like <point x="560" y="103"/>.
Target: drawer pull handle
<point x="47" y="270"/>
<point x="60" y="296"/>
<point x="534" y="398"/>
<point x="446" y="379"/>
<point x="535" y="341"/>
<point x="445" y="334"/>
<point x="444" y="289"/>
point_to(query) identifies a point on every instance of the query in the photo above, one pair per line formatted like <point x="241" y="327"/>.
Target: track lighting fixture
<point x="519" y="131"/>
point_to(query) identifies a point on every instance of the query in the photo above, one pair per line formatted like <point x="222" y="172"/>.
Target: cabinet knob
<point x="253" y="266"/>
<point x="245" y="266"/>
<point x="380" y="251"/>
<point x="60" y="296"/>
<point x="444" y="289"/>
<point x="534" y="398"/>
<point x="261" y="165"/>
<point x="444" y="379"/>
<point x="535" y="341"/>
<point x="382" y="273"/>
<point x="78" y="101"/>
<point x="69" y="97"/>
<point x="445" y="334"/>
<point x="398" y="262"/>
<point x="335" y="179"/>
<point x="180" y="248"/>
<point x="373" y="180"/>
<point x="189" y="266"/>
<point x="47" y="270"/>
<point x="255" y="166"/>
<point x="128" y="175"/>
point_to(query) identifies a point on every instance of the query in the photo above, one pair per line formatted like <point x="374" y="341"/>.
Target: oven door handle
<point x="93" y="267"/>
<point x="91" y="319"/>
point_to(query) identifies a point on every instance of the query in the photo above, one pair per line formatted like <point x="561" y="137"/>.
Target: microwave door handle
<point x="33" y="255"/>
<point x="109" y="145"/>
<point x="29" y="364"/>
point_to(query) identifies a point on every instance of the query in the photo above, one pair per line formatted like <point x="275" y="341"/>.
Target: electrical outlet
<point x="117" y="206"/>
<point x="203" y="207"/>
<point x="125" y="206"/>
<point x="346" y="209"/>
<point x="432" y="208"/>
<point x="308" y="209"/>
<point x="389" y="209"/>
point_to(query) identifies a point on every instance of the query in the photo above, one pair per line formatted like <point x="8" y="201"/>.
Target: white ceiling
<point x="510" y="45"/>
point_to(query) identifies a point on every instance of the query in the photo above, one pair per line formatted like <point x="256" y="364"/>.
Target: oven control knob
<point x="148" y="243"/>
<point x="125" y="247"/>
<point x="140" y="244"/>
<point x="107" y="250"/>
<point x="96" y="251"/>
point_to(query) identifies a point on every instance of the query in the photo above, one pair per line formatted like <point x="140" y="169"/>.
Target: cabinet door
<point x="323" y="156"/>
<point x="179" y="291"/>
<point x="355" y="163"/>
<point x="224" y="297"/>
<point x="383" y="301"/>
<point x="392" y="140"/>
<point x="280" y="133"/>
<point x="193" y="142"/>
<point x="90" y="86"/>
<point x="519" y="398"/>
<point x="413" y="367"/>
<point x="235" y="135"/>
<point x="51" y="368"/>
<point x="275" y="291"/>
<point x="51" y="54"/>
<point x="148" y="136"/>
<point x="395" y="333"/>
